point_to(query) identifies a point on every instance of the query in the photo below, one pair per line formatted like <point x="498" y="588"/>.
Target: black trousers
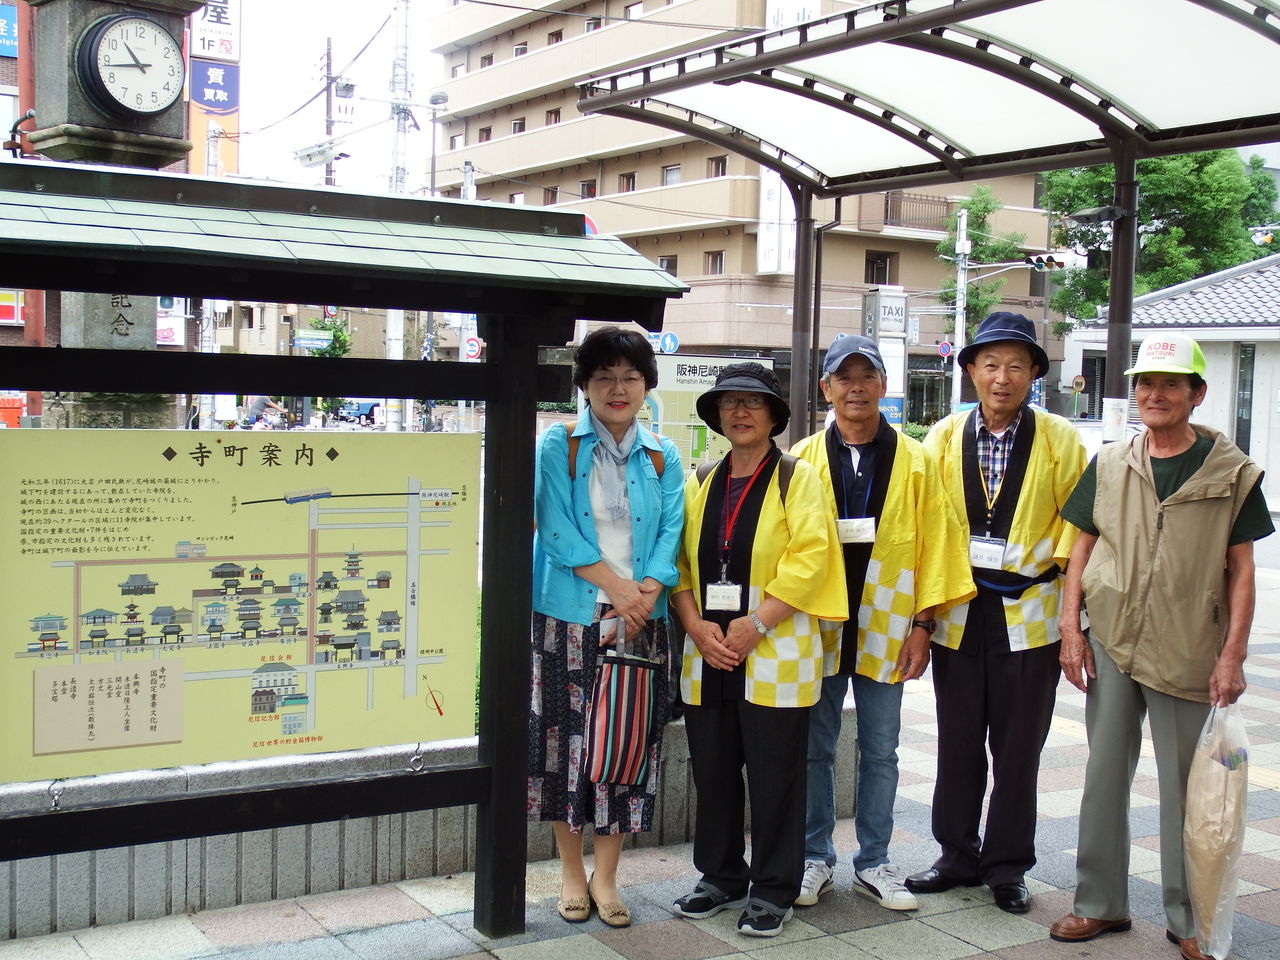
<point x="1005" y="700"/>
<point x="771" y="742"/>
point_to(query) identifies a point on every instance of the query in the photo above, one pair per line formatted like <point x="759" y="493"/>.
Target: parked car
<point x="1091" y="433"/>
<point x="359" y="410"/>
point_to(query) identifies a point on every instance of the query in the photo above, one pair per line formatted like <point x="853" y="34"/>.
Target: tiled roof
<point x="1245" y="295"/>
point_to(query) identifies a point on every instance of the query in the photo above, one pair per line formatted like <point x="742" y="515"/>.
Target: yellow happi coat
<point x="796" y="557"/>
<point x="1038" y="536"/>
<point x="919" y="559"/>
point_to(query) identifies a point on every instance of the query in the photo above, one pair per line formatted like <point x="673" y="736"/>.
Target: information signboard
<point x="177" y="597"/>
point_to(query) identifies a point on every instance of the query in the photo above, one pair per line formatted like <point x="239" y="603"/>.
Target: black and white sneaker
<point x="885" y="886"/>
<point x="705" y="901"/>
<point x="762" y="919"/>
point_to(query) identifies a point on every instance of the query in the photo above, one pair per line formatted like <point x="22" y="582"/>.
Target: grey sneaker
<point x="884" y="885"/>
<point x="705" y="901"/>
<point x="762" y="919"/>
<point x="817" y="881"/>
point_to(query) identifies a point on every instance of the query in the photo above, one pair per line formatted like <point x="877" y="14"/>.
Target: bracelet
<point x="759" y="624"/>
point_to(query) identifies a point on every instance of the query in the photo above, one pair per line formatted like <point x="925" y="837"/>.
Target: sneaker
<point x="817" y="881"/>
<point x="762" y="919"/>
<point x="706" y="900"/>
<point x="884" y="885"/>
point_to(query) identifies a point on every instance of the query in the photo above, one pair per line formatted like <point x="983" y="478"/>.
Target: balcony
<point x="671" y="209"/>
<point x="559" y="66"/>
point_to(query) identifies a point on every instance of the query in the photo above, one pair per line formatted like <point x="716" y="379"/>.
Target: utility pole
<point x="329" y="180"/>
<point x="963" y="248"/>
<point x="400" y="96"/>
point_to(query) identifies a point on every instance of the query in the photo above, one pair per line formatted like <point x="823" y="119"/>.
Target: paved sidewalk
<point x="428" y="919"/>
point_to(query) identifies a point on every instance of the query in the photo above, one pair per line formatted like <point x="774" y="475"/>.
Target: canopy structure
<point x="908" y="93"/>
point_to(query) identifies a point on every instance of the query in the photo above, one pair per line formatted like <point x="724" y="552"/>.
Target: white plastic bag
<point x="1213" y="831"/>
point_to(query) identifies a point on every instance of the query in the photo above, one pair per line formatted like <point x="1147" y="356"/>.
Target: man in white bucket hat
<point x="1169" y="626"/>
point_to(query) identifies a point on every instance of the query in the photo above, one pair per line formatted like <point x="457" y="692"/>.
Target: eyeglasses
<point x="752" y="401"/>
<point x="608" y="383"/>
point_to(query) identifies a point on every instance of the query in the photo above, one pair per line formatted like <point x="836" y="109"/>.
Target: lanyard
<point x="731" y="518"/>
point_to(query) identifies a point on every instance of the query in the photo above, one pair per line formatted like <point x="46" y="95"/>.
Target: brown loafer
<point x="614" y="913"/>
<point x="1189" y="946"/>
<point x="1073" y="929"/>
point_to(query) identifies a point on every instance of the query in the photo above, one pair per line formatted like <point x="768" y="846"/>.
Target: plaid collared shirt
<point x="993" y="451"/>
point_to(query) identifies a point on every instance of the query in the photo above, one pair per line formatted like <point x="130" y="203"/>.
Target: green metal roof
<point x="74" y="227"/>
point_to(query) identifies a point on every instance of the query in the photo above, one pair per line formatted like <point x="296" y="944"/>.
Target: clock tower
<point x="109" y="80"/>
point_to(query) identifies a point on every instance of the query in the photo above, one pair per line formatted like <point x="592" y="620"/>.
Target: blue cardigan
<point x="566" y="534"/>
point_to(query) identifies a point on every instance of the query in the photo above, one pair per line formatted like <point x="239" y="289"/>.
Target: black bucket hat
<point x="1011" y="328"/>
<point x="750" y="377"/>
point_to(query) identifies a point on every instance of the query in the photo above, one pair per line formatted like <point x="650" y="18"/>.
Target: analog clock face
<point x="130" y="65"/>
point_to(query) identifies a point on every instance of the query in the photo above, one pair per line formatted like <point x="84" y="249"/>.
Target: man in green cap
<point x="1165" y="561"/>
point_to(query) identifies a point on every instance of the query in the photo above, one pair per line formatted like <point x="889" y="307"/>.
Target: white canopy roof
<point x="912" y="92"/>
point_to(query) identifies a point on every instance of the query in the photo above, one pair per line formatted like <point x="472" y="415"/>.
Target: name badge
<point x="724" y="596"/>
<point x="857" y="530"/>
<point x="986" y="552"/>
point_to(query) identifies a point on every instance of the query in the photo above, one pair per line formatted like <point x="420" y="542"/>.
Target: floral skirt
<point x="564" y="669"/>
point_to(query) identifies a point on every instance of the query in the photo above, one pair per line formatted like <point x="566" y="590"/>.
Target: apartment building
<point x="708" y="216"/>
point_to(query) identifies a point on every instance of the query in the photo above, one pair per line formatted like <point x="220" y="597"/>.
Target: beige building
<point x="704" y="214"/>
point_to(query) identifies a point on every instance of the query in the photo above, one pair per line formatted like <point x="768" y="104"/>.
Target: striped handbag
<point x="618" y="720"/>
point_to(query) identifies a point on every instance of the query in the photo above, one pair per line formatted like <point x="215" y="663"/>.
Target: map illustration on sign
<point x="185" y="597"/>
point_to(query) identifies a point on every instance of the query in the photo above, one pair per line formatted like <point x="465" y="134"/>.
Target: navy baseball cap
<point x="844" y="347"/>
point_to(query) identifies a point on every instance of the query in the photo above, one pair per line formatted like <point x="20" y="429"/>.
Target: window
<point x="486" y="61"/>
<point x="517" y="125"/>
<point x="456" y="142"/>
<point x="520" y="49"/>
<point x="1244" y="394"/>
<point x="550" y="195"/>
<point x="881" y="267"/>
<point x="591" y="23"/>
<point x="717" y="166"/>
<point x="633" y="10"/>
<point x="555" y="36"/>
<point x="515" y="197"/>
<point x="246" y="317"/>
<point x="586" y="188"/>
<point x="484" y="134"/>
<point x="668" y="264"/>
<point x="713" y="261"/>
<point x="457" y="70"/>
<point x="626" y="182"/>
<point x="553" y="116"/>
<point x="671" y="175"/>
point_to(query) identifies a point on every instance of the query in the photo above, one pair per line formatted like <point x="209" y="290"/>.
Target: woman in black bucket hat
<point x="759" y="564"/>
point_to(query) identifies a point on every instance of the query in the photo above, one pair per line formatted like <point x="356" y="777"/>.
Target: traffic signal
<point x="1042" y="263"/>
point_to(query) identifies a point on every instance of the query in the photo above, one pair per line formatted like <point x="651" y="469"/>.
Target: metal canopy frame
<point x="107" y="230"/>
<point x="841" y="105"/>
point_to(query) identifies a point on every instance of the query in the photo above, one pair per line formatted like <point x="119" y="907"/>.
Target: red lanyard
<point x="732" y="518"/>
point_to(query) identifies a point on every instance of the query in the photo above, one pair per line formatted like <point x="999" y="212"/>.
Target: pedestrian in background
<point x="1008" y="469"/>
<point x="608" y="505"/>
<point x="1164" y="563"/>
<point x="903" y="558"/>
<point x="759" y="564"/>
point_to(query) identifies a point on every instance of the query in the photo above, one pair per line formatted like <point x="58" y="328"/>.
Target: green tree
<point x="341" y="344"/>
<point x="1260" y="209"/>
<point x="987" y="248"/>
<point x="1193" y="211"/>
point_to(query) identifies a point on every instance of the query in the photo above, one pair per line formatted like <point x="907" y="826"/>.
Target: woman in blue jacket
<point x="608" y="502"/>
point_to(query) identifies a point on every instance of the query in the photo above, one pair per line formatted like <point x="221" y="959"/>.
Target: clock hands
<point x="134" y="57"/>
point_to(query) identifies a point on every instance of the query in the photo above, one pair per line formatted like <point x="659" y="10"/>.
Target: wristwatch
<point x="928" y="626"/>
<point x="759" y="624"/>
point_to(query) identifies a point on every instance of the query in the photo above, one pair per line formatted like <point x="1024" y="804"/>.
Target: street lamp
<point x="437" y="101"/>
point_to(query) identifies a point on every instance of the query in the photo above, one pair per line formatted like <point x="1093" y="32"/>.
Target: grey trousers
<point x="1114" y="710"/>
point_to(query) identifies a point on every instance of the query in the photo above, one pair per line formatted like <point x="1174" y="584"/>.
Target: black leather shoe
<point x="1012" y="897"/>
<point x="934" y="880"/>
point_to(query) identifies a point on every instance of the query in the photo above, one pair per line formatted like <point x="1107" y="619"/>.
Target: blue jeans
<point x="879" y="709"/>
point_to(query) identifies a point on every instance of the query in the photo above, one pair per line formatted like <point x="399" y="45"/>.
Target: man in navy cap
<point x="1008" y="469"/>
<point x="904" y="558"/>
